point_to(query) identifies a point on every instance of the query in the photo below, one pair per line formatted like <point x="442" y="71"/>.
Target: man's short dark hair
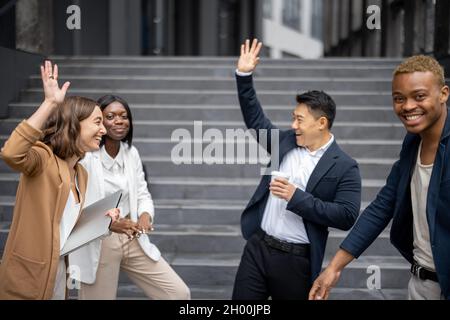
<point x="319" y="104"/>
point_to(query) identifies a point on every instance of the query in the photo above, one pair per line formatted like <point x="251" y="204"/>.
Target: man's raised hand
<point x="249" y="56"/>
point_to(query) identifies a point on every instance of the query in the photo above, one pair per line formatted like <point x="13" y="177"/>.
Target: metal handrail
<point x="7" y="6"/>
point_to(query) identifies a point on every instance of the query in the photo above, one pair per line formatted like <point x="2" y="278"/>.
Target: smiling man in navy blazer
<point x="416" y="196"/>
<point x="286" y="221"/>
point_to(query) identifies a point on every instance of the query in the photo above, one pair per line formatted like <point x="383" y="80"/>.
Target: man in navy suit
<point x="286" y="221"/>
<point x="416" y="196"/>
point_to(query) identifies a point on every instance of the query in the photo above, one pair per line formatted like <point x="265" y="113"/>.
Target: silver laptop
<point x="92" y="224"/>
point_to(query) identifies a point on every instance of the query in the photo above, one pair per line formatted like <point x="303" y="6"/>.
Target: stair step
<point x="367" y="294"/>
<point x="217" y="277"/>
<point x="226" y="70"/>
<point x="132" y="292"/>
<point x="216" y="97"/>
<point x="215" y="83"/>
<point x="363" y="148"/>
<point x="234" y="189"/>
<point x="171" y="211"/>
<point x="231" y="113"/>
<point x="159" y="167"/>
<point x="129" y="291"/>
<point x="226" y="239"/>
<point x="164" y="167"/>
<point x="356" y="148"/>
<point x="198" y="188"/>
<point x="220" y="270"/>
<point x="223" y="129"/>
<point x="362" y="113"/>
<point x="174" y="211"/>
<point x="228" y="61"/>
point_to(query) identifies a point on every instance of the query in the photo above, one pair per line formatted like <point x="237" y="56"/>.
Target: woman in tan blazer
<point x="46" y="149"/>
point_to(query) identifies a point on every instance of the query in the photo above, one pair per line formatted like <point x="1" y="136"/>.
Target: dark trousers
<point x="266" y="272"/>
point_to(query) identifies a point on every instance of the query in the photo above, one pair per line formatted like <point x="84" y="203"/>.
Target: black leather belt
<point x="298" y="249"/>
<point x="423" y="274"/>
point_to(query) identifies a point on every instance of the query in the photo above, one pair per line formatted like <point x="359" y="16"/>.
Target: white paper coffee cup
<point x="279" y="174"/>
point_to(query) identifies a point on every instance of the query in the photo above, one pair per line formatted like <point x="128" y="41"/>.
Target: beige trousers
<point x="156" y="278"/>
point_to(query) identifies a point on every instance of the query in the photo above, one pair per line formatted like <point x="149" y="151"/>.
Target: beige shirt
<point x="419" y="191"/>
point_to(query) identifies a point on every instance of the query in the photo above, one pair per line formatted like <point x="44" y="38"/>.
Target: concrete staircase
<point x="198" y="206"/>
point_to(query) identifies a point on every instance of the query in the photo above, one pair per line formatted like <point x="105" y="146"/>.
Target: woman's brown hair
<point x="62" y="129"/>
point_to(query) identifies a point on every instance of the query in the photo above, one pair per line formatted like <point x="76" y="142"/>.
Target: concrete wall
<point x="16" y="67"/>
<point x="8" y="27"/>
<point x="34" y="26"/>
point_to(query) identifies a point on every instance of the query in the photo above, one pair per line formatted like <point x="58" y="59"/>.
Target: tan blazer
<point x="31" y="256"/>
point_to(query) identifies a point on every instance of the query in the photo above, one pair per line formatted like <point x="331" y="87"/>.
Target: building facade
<point x="288" y="28"/>
<point x="162" y="27"/>
<point x="293" y="28"/>
<point x="405" y="28"/>
<point x="130" y="27"/>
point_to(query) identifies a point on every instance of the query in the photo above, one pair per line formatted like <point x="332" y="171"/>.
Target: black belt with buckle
<point x="422" y="273"/>
<point x="298" y="249"/>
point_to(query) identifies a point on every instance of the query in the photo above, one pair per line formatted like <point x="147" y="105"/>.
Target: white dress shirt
<point x="278" y="222"/>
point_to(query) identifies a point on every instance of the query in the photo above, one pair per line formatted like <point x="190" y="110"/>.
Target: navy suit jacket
<point x="393" y="202"/>
<point x="333" y="194"/>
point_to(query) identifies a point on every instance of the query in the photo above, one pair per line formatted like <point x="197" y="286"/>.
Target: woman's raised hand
<point x="49" y="76"/>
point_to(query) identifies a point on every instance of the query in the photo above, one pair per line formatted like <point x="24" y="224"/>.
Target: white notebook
<point x="92" y="224"/>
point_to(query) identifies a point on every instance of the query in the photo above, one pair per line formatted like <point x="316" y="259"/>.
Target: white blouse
<point x="68" y="220"/>
<point x="69" y="217"/>
<point x="115" y="178"/>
